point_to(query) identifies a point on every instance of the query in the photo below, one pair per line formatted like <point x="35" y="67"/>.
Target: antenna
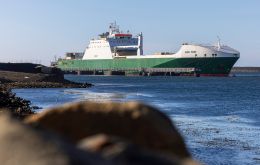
<point x="219" y="46"/>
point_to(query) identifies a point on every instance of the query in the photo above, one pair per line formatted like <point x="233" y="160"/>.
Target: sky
<point x="38" y="30"/>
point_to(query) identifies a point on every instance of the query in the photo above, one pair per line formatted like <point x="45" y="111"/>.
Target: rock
<point x="17" y="106"/>
<point x="22" y="145"/>
<point x="120" y="151"/>
<point x="140" y="124"/>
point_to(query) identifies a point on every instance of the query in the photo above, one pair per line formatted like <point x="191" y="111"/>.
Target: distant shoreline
<point x="245" y="70"/>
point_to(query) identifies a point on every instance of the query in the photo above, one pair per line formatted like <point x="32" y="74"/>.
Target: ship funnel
<point x="140" y="45"/>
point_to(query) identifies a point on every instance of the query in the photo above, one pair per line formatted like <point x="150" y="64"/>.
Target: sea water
<point x="218" y="117"/>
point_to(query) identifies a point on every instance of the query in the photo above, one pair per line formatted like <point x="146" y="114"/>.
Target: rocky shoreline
<point x="17" y="106"/>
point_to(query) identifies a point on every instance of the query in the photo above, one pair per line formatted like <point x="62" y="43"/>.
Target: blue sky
<point x="38" y="30"/>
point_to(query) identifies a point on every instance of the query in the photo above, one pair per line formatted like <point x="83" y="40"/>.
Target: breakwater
<point x="22" y="75"/>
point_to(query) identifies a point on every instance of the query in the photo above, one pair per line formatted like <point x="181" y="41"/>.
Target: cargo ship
<point x="116" y="51"/>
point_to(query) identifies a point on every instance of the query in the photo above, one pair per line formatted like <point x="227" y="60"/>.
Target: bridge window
<point x="187" y="51"/>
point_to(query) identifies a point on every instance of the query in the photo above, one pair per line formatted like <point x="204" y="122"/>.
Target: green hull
<point x="205" y="66"/>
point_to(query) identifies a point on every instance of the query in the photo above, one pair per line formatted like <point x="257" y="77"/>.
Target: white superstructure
<point x="116" y="44"/>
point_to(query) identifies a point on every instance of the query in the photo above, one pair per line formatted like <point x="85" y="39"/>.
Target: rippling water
<point x="219" y="117"/>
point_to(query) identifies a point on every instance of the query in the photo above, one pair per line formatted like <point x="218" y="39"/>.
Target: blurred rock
<point x="22" y="145"/>
<point x="139" y="124"/>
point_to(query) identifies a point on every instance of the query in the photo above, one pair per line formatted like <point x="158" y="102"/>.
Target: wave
<point x="141" y="94"/>
<point x="102" y="96"/>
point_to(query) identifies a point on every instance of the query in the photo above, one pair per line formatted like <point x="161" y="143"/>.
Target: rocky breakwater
<point x="35" y="77"/>
<point x="37" y="80"/>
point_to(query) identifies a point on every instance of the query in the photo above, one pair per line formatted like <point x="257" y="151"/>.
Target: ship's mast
<point x="219" y="45"/>
<point x="113" y="28"/>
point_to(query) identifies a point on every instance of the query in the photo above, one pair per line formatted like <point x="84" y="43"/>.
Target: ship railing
<point x="175" y="70"/>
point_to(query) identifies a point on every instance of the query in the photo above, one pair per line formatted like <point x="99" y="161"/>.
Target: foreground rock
<point x="139" y="124"/>
<point x="22" y="145"/>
